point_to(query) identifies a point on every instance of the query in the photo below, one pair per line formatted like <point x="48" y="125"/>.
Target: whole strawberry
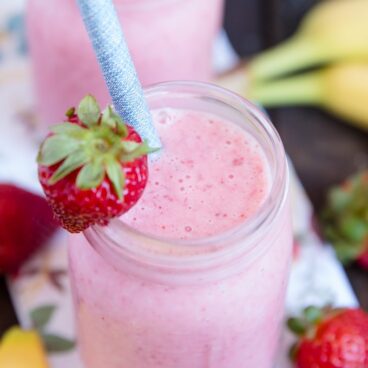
<point x="92" y="167"/>
<point x="345" y="219"/>
<point x="330" y="338"/>
<point x="26" y="222"/>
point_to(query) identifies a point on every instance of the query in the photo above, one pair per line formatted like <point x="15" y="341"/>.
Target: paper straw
<point x="106" y="35"/>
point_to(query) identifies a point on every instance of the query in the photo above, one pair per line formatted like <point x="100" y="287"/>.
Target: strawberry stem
<point x="96" y="145"/>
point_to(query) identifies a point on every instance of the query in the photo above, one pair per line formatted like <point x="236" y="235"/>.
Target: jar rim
<point x="249" y="229"/>
<point x="143" y="4"/>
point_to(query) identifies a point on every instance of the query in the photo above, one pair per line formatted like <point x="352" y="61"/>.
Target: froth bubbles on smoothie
<point x="211" y="177"/>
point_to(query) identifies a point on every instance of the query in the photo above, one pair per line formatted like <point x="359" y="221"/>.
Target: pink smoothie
<point x="168" y="40"/>
<point x="212" y="178"/>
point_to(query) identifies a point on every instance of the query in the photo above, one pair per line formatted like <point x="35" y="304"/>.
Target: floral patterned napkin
<point x="41" y="292"/>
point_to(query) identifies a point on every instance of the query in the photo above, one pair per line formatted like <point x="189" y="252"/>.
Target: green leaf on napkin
<point x="57" y="344"/>
<point x="41" y="316"/>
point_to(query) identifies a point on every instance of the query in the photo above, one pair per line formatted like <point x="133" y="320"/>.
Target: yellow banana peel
<point x="22" y="349"/>
<point x="332" y="31"/>
<point x="341" y="89"/>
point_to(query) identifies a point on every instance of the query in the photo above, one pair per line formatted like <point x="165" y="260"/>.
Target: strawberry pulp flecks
<point x="92" y="167"/>
<point x="330" y="338"/>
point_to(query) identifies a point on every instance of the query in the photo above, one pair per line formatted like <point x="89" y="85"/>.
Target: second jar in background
<point x="168" y="39"/>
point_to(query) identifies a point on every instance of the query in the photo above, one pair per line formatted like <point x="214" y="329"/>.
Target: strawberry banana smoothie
<point x="194" y="275"/>
<point x="168" y="40"/>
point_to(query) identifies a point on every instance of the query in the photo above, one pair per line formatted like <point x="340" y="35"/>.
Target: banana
<point x="22" y="349"/>
<point x="341" y="89"/>
<point x="332" y="31"/>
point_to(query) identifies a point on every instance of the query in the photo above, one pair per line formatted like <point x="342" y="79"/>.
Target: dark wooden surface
<point x="324" y="150"/>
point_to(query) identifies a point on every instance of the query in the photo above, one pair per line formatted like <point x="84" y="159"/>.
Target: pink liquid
<point x="190" y="188"/>
<point x="212" y="177"/>
<point x="168" y="39"/>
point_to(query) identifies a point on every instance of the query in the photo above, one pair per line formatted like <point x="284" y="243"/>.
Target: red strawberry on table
<point x="93" y="167"/>
<point x="26" y="221"/>
<point x="330" y="338"/>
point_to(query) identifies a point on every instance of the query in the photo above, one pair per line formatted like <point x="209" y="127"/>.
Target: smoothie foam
<point x="211" y="177"/>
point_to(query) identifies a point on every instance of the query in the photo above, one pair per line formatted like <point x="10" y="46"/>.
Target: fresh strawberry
<point x="330" y="338"/>
<point x="363" y="258"/>
<point x="26" y="221"/>
<point x="92" y="167"/>
<point x="345" y="219"/>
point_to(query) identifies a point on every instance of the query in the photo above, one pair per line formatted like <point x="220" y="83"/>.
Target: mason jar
<point x="168" y="40"/>
<point x="144" y="299"/>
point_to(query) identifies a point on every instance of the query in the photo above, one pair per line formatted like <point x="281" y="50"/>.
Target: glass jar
<point x="215" y="302"/>
<point x="168" y="40"/>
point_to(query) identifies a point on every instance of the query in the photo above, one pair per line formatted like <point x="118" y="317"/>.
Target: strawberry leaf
<point x="141" y="150"/>
<point x="121" y="128"/>
<point x="354" y="228"/>
<point x="346" y="251"/>
<point x="90" y="176"/>
<point x="108" y="117"/>
<point x="69" y="129"/>
<point x="297" y="325"/>
<point x="72" y="162"/>
<point x="339" y="199"/>
<point x="313" y="314"/>
<point x="344" y="219"/>
<point x="113" y="120"/>
<point x="56" y="148"/>
<point x="57" y="344"/>
<point x="129" y="146"/>
<point x="117" y="177"/>
<point x="89" y="111"/>
<point x="41" y="316"/>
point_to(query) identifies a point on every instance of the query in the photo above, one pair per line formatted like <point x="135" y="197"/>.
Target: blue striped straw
<point x="103" y="27"/>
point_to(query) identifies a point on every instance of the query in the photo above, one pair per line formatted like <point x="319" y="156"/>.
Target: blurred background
<point x="324" y="149"/>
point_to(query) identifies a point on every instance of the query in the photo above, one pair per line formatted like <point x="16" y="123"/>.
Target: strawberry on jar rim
<point x="330" y="338"/>
<point x="93" y="167"/>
